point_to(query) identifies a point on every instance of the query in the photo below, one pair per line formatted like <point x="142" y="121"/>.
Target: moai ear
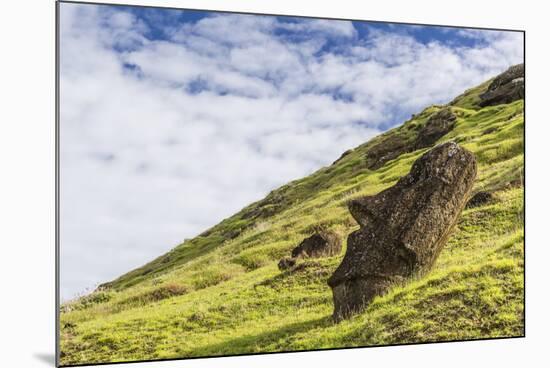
<point x="362" y="210"/>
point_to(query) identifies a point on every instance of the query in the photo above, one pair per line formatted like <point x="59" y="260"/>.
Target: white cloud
<point x="217" y="115"/>
<point x="337" y="28"/>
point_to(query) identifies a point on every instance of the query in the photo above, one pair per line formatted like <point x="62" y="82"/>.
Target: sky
<point x="172" y="120"/>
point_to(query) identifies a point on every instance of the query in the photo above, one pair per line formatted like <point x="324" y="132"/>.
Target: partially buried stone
<point x="439" y="124"/>
<point x="322" y="244"/>
<point x="478" y="199"/>
<point x="286" y="263"/>
<point x="403" y="228"/>
<point x="505" y="88"/>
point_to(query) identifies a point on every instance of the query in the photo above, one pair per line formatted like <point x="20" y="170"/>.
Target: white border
<point x="27" y="181"/>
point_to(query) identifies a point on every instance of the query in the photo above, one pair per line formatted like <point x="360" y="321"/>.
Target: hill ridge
<point x="275" y="201"/>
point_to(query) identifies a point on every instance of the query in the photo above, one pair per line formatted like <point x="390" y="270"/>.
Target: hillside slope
<point x="221" y="293"/>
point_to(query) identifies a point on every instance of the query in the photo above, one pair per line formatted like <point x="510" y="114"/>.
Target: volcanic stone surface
<point x="403" y="228"/>
<point x="439" y="124"/>
<point x="478" y="199"/>
<point x="505" y="88"/>
<point x="286" y="263"/>
<point x="387" y="150"/>
<point x="324" y="244"/>
<point x="320" y="244"/>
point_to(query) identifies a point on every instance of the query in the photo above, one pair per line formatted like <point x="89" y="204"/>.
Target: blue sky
<point x="173" y="120"/>
<point x="158" y="19"/>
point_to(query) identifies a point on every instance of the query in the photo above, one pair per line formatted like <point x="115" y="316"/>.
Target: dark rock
<point x="69" y="325"/>
<point x="323" y="244"/>
<point x="438" y="124"/>
<point x="403" y="228"/>
<point x="505" y="88"/>
<point x="286" y="263"/>
<point x="478" y="199"/>
<point x="387" y="150"/>
<point x="320" y="244"/>
<point x="232" y="234"/>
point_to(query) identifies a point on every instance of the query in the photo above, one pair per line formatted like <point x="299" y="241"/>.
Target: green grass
<point x="221" y="293"/>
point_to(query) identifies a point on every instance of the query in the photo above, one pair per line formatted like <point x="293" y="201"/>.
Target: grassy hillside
<point x="222" y="293"/>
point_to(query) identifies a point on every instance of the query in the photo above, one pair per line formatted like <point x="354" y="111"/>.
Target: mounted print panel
<point x="237" y="184"/>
